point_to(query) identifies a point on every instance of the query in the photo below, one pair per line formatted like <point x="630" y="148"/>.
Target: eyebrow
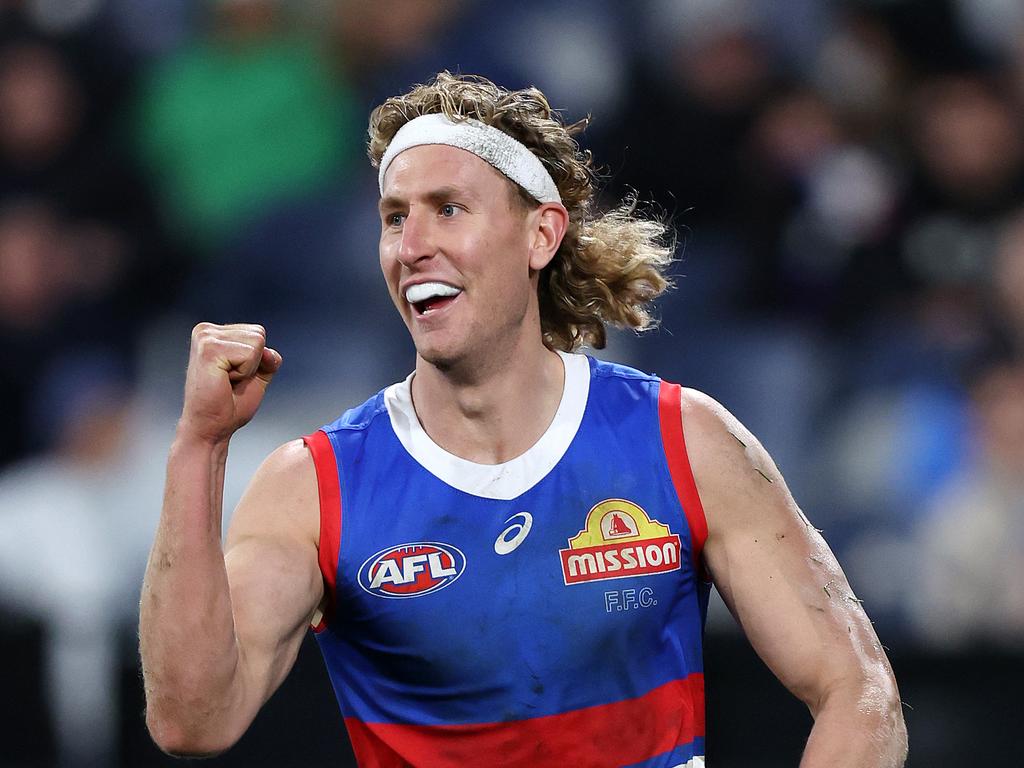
<point x="435" y="196"/>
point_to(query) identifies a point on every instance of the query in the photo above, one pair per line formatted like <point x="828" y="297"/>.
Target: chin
<point x="452" y="349"/>
<point x="439" y="357"/>
<point x="441" y="362"/>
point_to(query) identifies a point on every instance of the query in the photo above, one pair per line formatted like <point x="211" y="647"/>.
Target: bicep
<point x="773" y="568"/>
<point x="271" y="561"/>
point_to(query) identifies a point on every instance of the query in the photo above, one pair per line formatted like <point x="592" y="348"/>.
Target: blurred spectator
<point x="971" y="546"/>
<point x="41" y="105"/>
<point x="246" y="116"/>
<point x="918" y="310"/>
<point x="1005" y="286"/>
<point x="372" y="38"/>
<point x="967" y="137"/>
<point x="576" y="49"/>
<point x="927" y="278"/>
<point x="690" y="107"/>
<point x="860" y="70"/>
<point x="70" y="554"/>
<point x="80" y="243"/>
<point x="30" y="290"/>
<point x="814" y="199"/>
<point x="55" y="317"/>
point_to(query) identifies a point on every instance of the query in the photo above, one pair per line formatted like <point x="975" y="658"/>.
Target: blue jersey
<point x="548" y="611"/>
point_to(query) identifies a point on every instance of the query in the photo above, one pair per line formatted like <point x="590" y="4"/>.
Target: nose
<point x="417" y="242"/>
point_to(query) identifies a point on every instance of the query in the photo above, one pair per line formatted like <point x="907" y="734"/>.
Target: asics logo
<point x="515" y="534"/>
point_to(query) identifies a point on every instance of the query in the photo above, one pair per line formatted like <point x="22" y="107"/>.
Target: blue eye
<point x="448" y="210"/>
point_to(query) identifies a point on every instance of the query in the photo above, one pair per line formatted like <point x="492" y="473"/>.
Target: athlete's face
<point x="459" y="253"/>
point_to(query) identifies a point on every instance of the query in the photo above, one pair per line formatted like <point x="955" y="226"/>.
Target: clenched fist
<point x="229" y="369"/>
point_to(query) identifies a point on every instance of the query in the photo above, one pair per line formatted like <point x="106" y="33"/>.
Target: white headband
<point x="486" y="142"/>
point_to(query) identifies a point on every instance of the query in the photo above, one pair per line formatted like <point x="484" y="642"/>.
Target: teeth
<point x="417" y="293"/>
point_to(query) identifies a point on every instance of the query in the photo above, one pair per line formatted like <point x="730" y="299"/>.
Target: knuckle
<point x="254" y="339"/>
<point x="202" y="332"/>
<point x="207" y="344"/>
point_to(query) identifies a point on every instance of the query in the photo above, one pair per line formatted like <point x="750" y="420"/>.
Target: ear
<point x="550" y="222"/>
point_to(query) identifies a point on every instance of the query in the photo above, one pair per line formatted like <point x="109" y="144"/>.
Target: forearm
<point x="186" y="629"/>
<point x="860" y="727"/>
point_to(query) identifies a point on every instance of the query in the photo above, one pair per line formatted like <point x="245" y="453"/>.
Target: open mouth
<point x="426" y="298"/>
<point x="431" y="305"/>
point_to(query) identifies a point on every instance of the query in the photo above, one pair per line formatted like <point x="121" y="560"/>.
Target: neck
<point x="495" y="410"/>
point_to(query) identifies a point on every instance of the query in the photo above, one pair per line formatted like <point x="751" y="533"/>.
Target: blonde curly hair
<point x="610" y="266"/>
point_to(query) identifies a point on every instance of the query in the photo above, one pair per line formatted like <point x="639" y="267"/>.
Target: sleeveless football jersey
<point x="544" y="612"/>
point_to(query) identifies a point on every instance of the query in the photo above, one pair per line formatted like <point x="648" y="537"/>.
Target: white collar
<point x="495" y="481"/>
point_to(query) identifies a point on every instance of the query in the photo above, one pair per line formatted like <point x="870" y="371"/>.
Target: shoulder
<point x="734" y="474"/>
<point x="708" y="424"/>
<point x="282" y="499"/>
<point x="287" y="463"/>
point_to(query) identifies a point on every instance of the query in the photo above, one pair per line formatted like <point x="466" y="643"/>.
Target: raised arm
<point x="220" y="628"/>
<point x="786" y="589"/>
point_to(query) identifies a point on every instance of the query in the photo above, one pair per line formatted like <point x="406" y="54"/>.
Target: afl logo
<point x="411" y="570"/>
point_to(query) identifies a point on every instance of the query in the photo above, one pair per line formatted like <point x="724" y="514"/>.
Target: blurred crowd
<point x="845" y="178"/>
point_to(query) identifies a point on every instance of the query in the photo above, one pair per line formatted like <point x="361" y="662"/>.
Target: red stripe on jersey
<point x="670" y="412"/>
<point x="607" y="735"/>
<point x="329" y="489"/>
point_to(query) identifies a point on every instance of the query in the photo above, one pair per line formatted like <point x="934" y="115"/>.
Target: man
<point x="506" y="557"/>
